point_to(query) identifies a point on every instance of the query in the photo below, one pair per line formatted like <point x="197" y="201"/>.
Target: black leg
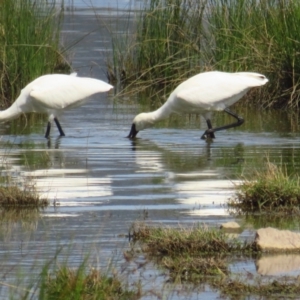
<point x="133" y="132"/>
<point x="48" y="130"/>
<point x="207" y="134"/>
<point x="211" y="130"/>
<point x="239" y="121"/>
<point x="59" y="127"/>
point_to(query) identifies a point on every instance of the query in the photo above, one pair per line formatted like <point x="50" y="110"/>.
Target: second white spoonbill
<point x="203" y="94"/>
<point x="52" y="94"/>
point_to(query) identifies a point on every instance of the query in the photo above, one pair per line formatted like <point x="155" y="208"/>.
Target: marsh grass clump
<point x="194" y="269"/>
<point x="29" y="44"/>
<point x="193" y="241"/>
<point x="15" y="197"/>
<point x="68" y="283"/>
<point x="271" y="190"/>
<point x="189" y="254"/>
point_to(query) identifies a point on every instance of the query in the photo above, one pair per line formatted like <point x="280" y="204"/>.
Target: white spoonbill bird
<point x="52" y="94"/>
<point x="203" y="94"/>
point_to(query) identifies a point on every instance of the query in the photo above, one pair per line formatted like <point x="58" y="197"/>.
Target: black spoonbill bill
<point x="203" y="94"/>
<point x="52" y="94"/>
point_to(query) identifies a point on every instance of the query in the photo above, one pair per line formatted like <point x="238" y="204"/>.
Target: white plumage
<point x="203" y="94"/>
<point x="52" y="94"/>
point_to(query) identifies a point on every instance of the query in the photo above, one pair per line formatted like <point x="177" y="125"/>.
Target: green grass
<point x="169" y="241"/>
<point x="189" y="254"/>
<point x="176" y="39"/>
<point x="258" y="36"/>
<point x="165" y="47"/>
<point x="270" y="190"/>
<point x="60" y="282"/>
<point x="69" y="284"/>
<point x="29" y="44"/>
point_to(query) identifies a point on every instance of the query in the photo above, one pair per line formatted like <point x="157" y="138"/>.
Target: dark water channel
<point x="101" y="182"/>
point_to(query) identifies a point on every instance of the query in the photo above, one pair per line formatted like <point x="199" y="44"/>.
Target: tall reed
<point x="260" y="36"/>
<point x="167" y="45"/>
<point x="29" y="44"/>
<point x="176" y="39"/>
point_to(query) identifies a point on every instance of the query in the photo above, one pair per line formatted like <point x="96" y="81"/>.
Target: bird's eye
<point x="262" y="77"/>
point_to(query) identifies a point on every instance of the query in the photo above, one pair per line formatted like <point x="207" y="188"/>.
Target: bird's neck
<point x="161" y="113"/>
<point x="10" y="113"/>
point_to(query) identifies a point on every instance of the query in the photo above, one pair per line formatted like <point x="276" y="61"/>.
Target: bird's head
<point x="140" y="122"/>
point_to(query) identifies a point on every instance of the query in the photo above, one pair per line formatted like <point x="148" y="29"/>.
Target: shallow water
<point x="100" y="182"/>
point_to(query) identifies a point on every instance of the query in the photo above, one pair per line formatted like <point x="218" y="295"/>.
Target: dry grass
<point x="14" y="197"/>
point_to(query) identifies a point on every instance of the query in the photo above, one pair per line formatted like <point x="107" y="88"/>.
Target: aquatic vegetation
<point x="202" y="255"/>
<point x="191" y="253"/>
<point x="30" y="45"/>
<point x="176" y="39"/>
<point x="12" y="196"/>
<point x="58" y="281"/>
<point x="166" y="48"/>
<point x="270" y="190"/>
<point x="66" y="283"/>
<point x="258" y="35"/>
<point x="197" y="240"/>
<point x="273" y="289"/>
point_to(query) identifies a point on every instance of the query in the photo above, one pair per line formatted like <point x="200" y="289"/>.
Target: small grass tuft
<point x="14" y="197"/>
<point x="272" y="190"/>
<point x="194" y="269"/>
<point x="194" y="241"/>
<point x="201" y="255"/>
<point x="68" y="283"/>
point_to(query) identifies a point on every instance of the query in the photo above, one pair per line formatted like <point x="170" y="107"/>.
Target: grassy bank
<point x="175" y="39"/>
<point x="30" y="46"/>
